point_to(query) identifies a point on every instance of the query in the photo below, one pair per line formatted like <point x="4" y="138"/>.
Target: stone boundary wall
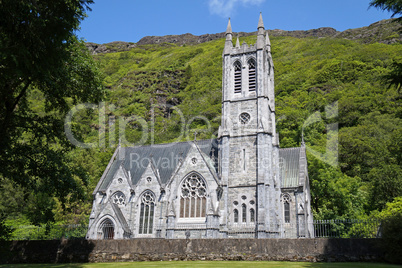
<point x="62" y="251"/>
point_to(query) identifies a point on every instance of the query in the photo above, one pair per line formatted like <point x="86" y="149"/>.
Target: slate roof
<point x="165" y="158"/>
<point x="289" y="166"/>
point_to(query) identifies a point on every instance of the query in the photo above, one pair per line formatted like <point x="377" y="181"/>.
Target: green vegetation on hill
<point x="162" y="85"/>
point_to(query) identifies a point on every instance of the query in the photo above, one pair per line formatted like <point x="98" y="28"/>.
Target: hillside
<point x="324" y="81"/>
<point x="314" y="69"/>
<point x="385" y="31"/>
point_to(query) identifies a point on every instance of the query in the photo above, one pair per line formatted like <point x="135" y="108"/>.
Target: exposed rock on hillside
<point x="385" y="31"/>
<point x="109" y="47"/>
<point x="193" y="39"/>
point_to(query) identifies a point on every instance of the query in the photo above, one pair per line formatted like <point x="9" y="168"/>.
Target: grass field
<point x="217" y="264"/>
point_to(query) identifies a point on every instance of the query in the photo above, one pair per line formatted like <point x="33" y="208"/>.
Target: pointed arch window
<point x="244" y="213"/>
<point x="286" y="207"/>
<point x="193" y="198"/>
<point x="252" y="215"/>
<point x="237" y="77"/>
<point x="147" y="213"/>
<point x="235" y="215"/>
<point x="251" y="75"/>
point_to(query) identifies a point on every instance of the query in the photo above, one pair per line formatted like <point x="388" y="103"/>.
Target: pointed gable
<point x="163" y="158"/>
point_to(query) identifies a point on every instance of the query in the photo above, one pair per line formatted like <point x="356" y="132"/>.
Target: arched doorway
<point x="107" y="229"/>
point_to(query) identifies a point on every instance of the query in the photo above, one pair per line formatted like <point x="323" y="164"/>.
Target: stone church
<point x="238" y="185"/>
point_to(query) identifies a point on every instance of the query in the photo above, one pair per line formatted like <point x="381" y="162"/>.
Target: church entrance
<point x="107" y="228"/>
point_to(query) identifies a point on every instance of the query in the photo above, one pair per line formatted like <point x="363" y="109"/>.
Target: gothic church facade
<point x="238" y="185"/>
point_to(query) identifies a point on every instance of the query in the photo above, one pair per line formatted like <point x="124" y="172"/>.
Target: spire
<point x="260" y="34"/>
<point x="260" y="22"/>
<point x="229" y="28"/>
<point x="237" y="42"/>
<point x="228" y="42"/>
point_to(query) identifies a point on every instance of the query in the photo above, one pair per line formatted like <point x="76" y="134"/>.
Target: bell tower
<point x="249" y="144"/>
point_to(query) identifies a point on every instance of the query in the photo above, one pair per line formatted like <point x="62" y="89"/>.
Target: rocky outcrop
<point x="109" y="47"/>
<point x="193" y="39"/>
<point x="385" y="31"/>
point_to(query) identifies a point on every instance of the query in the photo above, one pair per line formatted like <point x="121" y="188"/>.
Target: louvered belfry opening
<point x="251" y="75"/>
<point x="237" y="77"/>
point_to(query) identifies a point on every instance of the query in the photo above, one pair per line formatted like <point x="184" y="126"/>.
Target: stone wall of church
<point x="243" y="160"/>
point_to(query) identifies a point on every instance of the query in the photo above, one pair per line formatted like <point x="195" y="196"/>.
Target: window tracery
<point x="244" y="118"/>
<point x="147" y="213"/>
<point x="193" y="197"/>
<point x="119" y="198"/>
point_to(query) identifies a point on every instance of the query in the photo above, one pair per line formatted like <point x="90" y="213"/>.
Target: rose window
<point x="119" y="198"/>
<point x="244" y="118"/>
<point x="148" y="198"/>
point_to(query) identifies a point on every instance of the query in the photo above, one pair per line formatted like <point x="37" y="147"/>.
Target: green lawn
<point x="214" y="264"/>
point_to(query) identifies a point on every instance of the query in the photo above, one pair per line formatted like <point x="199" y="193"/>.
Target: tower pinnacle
<point x="229" y="28"/>
<point x="260" y="34"/>
<point x="228" y="42"/>
<point x="260" y="22"/>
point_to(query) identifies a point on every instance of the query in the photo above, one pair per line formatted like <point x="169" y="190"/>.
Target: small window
<point x="252" y="216"/>
<point x="244" y="213"/>
<point x="236" y="215"/>
<point x="286" y="207"/>
<point x="287" y="212"/>
<point x="244" y="118"/>
<point x="251" y="75"/>
<point x="237" y="77"/>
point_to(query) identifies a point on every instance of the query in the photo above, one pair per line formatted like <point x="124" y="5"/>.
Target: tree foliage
<point x="44" y="69"/>
<point x="394" y="6"/>
<point x="391" y="219"/>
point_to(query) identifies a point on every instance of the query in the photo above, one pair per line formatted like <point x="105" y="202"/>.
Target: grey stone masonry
<point x="240" y="185"/>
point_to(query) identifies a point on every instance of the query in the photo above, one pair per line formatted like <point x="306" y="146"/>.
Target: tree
<point x="391" y="219"/>
<point x="394" y="6"/>
<point x="44" y="70"/>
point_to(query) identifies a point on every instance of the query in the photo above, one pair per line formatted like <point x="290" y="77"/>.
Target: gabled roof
<point x="289" y="167"/>
<point x="109" y="176"/>
<point x="164" y="157"/>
